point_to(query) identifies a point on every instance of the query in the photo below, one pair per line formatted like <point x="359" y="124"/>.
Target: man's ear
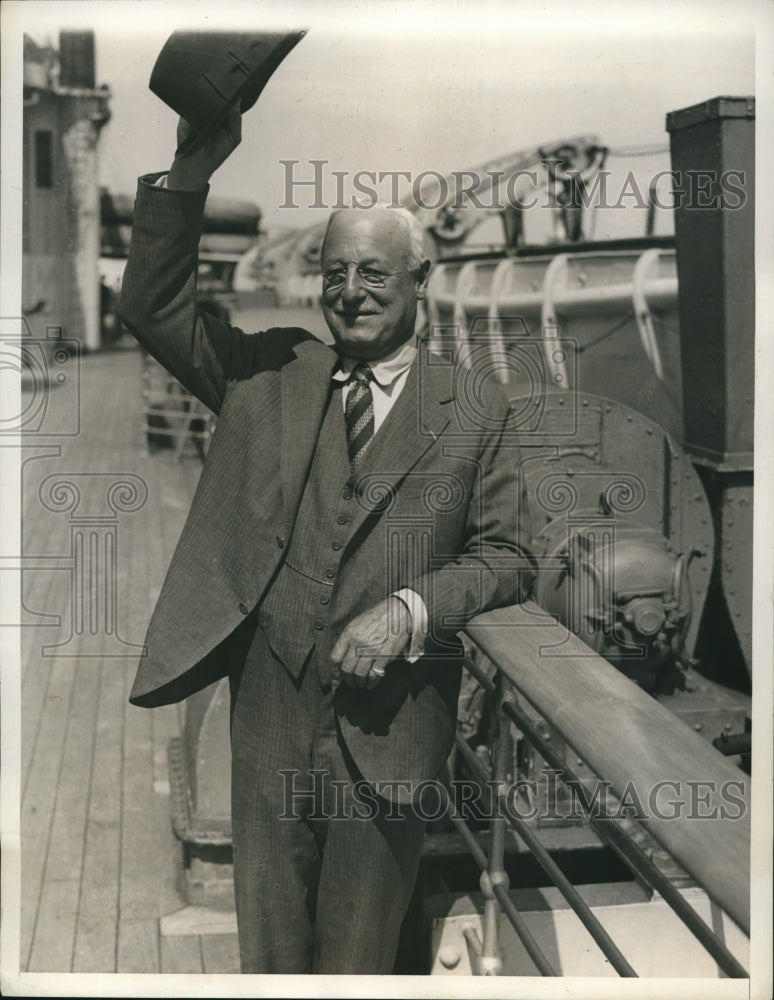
<point x="423" y="274"/>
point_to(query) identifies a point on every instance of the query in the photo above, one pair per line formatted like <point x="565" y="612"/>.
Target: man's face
<point x="370" y="293"/>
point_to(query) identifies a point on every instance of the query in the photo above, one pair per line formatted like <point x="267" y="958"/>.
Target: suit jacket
<point x="443" y="466"/>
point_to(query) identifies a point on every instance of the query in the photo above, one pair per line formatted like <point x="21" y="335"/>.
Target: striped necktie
<point x="359" y="413"/>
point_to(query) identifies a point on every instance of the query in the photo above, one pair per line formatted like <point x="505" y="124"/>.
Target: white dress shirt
<point x="389" y="377"/>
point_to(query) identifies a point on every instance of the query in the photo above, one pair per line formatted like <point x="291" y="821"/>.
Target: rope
<point x="608" y="333"/>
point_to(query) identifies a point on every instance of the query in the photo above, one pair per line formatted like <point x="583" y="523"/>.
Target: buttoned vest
<point x="295" y="613"/>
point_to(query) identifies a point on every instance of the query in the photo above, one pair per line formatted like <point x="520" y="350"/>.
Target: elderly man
<point x="355" y="510"/>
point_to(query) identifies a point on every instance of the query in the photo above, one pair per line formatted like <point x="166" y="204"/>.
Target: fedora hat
<point x="202" y="74"/>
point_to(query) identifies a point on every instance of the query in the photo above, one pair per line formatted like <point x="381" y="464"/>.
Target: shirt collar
<point x="386" y="369"/>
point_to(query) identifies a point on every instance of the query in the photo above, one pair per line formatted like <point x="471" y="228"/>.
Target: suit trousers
<point x="323" y="873"/>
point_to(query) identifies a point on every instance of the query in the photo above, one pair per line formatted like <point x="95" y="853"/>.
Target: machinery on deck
<point x="624" y="540"/>
<point x="642" y="351"/>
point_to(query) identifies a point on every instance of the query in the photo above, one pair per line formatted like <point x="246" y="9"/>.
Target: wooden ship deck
<point x="100" y="863"/>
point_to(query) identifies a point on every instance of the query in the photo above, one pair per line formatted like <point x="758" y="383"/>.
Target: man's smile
<point x="350" y="317"/>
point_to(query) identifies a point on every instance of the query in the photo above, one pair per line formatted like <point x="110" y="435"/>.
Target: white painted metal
<point x="653" y="939"/>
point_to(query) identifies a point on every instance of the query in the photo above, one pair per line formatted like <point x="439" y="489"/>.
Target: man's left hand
<point x="370" y="642"/>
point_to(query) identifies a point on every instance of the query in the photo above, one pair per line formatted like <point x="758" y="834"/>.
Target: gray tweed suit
<point x="435" y="506"/>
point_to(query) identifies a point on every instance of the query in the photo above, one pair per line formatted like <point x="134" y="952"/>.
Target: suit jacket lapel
<point x="414" y="424"/>
<point x="306" y="383"/>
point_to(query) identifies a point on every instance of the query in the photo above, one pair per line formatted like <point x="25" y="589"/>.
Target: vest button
<point x="319" y="624"/>
<point x="336" y="546"/>
<point x="330" y="573"/>
<point x="324" y="599"/>
<point x="341" y="519"/>
<point x="243" y="608"/>
<point x="347" y="494"/>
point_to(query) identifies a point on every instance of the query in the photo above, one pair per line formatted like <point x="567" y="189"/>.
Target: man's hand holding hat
<point x="193" y="171"/>
<point x="208" y="78"/>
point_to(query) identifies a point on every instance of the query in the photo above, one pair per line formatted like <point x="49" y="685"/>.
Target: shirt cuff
<point x="161" y="182"/>
<point x="419" y="622"/>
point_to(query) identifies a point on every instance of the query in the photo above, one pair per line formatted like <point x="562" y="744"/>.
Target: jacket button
<point x="324" y="599"/>
<point x="347" y="494"/>
<point x="280" y="542"/>
<point x="336" y="546"/>
<point x="243" y="608"/>
<point x="330" y="573"/>
<point x="319" y="624"/>
<point x="341" y="519"/>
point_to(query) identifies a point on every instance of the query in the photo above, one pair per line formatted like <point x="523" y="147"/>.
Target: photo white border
<point x="426" y="15"/>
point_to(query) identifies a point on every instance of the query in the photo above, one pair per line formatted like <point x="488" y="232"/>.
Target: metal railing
<point x="529" y="651"/>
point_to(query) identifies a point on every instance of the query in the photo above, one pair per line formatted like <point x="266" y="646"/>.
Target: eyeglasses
<point x="369" y="276"/>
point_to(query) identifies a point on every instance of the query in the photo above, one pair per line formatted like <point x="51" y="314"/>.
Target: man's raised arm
<point x="158" y="297"/>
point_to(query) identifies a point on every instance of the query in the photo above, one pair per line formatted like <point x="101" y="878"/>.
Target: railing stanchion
<point x="485" y="956"/>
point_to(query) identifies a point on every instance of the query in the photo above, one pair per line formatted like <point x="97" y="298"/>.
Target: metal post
<point x="485" y="956"/>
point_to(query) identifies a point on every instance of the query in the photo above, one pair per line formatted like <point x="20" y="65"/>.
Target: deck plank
<point x="138" y="946"/>
<point x="34" y="684"/>
<point x="151" y="857"/>
<point x="138" y="840"/>
<point x="95" y="951"/>
<point x="35" y="681"/>
<point x="52" y="949"/>
<point x="41" y="536"/>
<point x="64" y="862"/>
<point x="37" y="807"/>
<point x="50" y="591"/>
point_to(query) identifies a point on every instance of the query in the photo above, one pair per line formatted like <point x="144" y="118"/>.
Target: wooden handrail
<point x="629" y="739"/>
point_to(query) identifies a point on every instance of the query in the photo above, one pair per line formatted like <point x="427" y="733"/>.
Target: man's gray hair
<point x="416" y="233"/>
